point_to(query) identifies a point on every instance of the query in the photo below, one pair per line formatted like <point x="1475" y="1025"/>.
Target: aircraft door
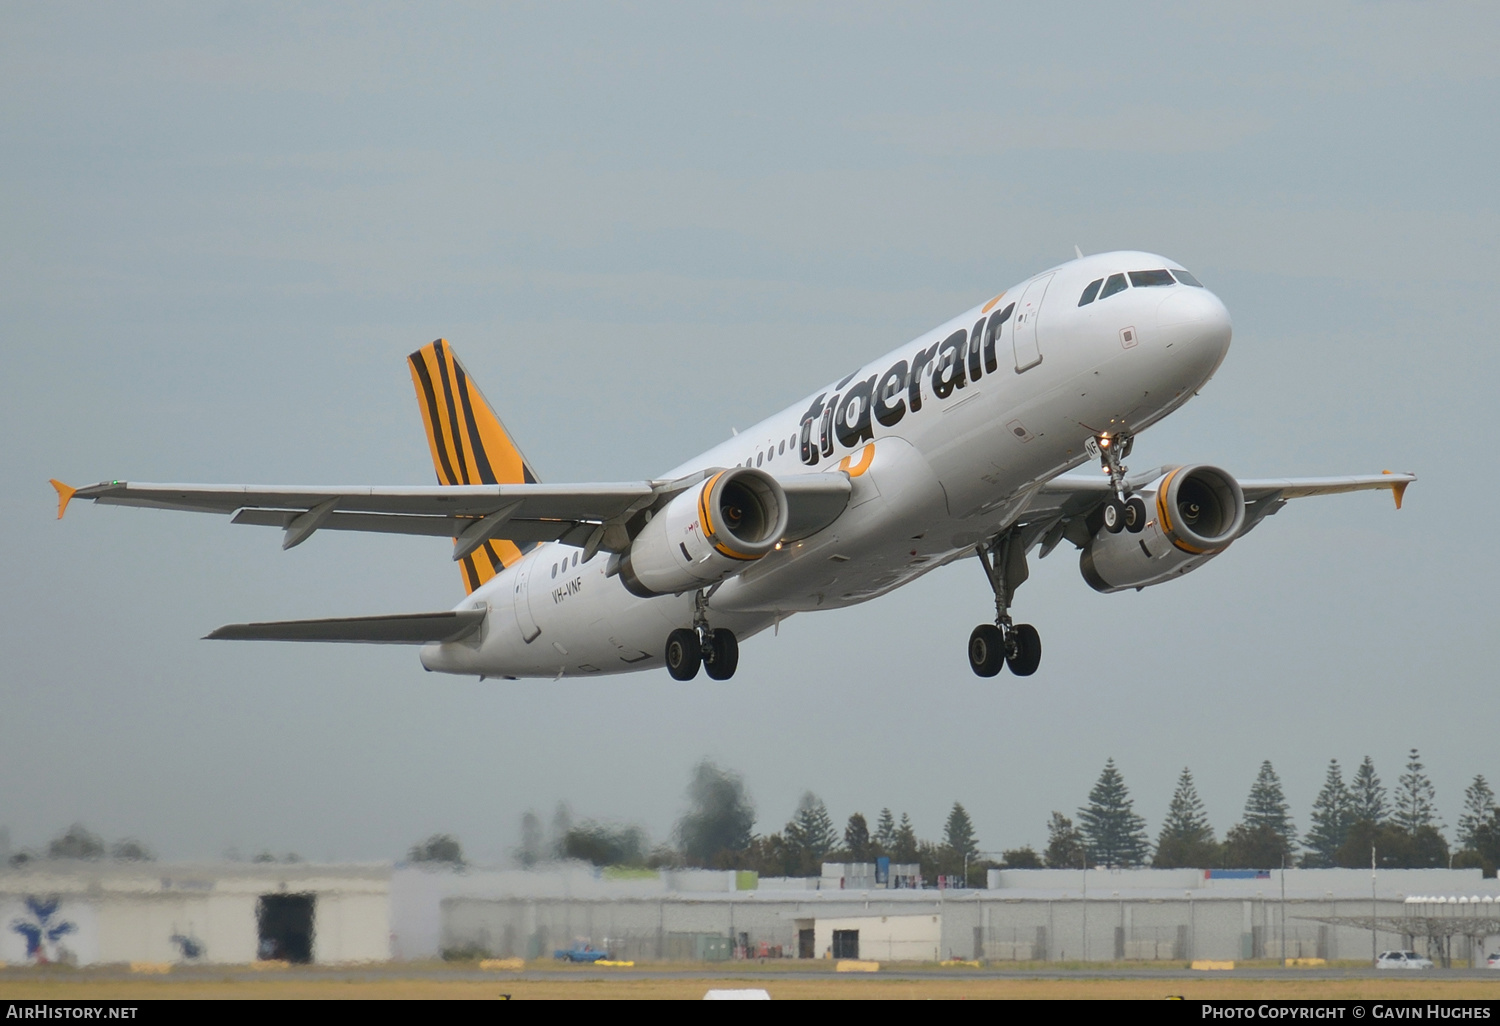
<point x="521" y="603"/>
<point x="1023" y="324"/>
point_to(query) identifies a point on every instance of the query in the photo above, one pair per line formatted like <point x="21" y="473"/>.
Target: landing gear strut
<point x="1003" y="643"/>
<point x="1124" y="512"/>
<point x="717" y="650"/>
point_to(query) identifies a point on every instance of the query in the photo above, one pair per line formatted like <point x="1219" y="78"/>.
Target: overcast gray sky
<point x="223" y="227"/>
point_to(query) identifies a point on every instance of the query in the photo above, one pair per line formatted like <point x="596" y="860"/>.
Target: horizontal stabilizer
<point x="402" y="629"/>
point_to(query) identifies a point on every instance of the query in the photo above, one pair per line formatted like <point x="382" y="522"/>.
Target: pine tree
<point x="1479" y="801"/>
<point x="1186" y="838"/>
<point x="1367" y="795"/>
<point x="1266" y="838"/>
<point x="533" y="847"/>
<point x="1416" y="801"/>
<point x="1115" y="835"/>
<point x="562" y="825"/>
<point x="958" y="834"/>
<point x="1266" y="807"/>
<point x="1332" y="816"/>
<point x="857" y="839"/>
<point x="885" y="832"/>
<point x="1064" y="844"/>
<point x="810" y="831"/>
<point x="904" y="843"/>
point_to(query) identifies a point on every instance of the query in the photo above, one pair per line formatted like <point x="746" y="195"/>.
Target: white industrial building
<point x="1023" y="915"/>
<point x="112" y="912"/>
<point x="92" y="912"/>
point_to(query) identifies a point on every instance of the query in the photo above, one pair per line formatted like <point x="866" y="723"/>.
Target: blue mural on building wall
<point x="43" y="930"/>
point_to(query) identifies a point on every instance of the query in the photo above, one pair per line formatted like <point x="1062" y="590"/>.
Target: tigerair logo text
<point x="848" y="418"/>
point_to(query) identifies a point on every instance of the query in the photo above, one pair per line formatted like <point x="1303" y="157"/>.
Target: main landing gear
<point x="1123" y="512"/>
<point x="994" y="646"/>
<point x="717" y="650"/>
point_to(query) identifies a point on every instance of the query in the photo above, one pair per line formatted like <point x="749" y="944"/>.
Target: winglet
<point x="64" y="496"/>
<point x="1398" y="489"/>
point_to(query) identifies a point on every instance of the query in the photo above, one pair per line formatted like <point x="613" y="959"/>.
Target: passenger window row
<point x="1103" y="288"/>
<point x="564" y="565"/>
<point x="770" y="453"/>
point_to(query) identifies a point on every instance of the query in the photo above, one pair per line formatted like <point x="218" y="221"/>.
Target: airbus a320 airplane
<point x="953" y="445"/>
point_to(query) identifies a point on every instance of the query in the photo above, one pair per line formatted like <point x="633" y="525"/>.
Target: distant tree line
<point x="1347" y="821"/>
<point x="79" y="842"/>
<point x="717" y="832"/>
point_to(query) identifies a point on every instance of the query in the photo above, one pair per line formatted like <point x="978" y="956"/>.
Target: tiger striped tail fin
<point x="469" y="445"/>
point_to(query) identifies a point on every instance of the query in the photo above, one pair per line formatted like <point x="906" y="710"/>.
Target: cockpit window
<point x="1090" y="293"/>
<point x="1150" y="279"/>
<point x="1185" y="278"/>
<point x="1115" y="283"/>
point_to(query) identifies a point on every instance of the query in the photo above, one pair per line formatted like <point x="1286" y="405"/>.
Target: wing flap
<point x="401" y="629"/>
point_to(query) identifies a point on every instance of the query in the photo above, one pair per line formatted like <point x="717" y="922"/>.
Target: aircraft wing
<point x="401" y="629"/>
<point x="1056" y="492"/>
<point x="574" y="514"/>
<point x="1073" y="495"/>
<point x="523" y="513"/>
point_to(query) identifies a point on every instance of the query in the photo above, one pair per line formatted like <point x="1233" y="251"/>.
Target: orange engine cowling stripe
<point x="726" y="550"/>
<point x="704" y="520"/>
<point x="1166" y="519"/>
<point x="1161" y="505"/>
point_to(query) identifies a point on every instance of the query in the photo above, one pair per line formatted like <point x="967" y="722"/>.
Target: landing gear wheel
<point x="1113" y="516"/>
<point x="986" y="650"/>
<point x="1135" y="514"/>
<point x="721" y="655"/>
<point x="684" y="654"/>
<point x="1024" y="653"/>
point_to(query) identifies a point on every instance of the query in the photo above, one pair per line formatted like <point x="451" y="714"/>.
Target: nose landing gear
<point x="717" y="650"/>
<point x="1124" y="512"/>
<point x="993" y="646"/>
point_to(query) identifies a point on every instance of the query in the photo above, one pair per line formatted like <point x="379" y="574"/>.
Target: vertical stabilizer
<point x="469" y="445"/>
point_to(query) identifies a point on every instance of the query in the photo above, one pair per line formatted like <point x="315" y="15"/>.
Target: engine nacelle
<point x="1193" y="514"/>
<point x="706" y="534"/>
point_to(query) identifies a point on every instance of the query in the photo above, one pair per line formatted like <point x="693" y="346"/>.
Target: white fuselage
<point x="939" y="458"/>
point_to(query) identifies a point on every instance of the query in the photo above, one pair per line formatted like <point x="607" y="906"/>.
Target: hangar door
<point x="845" y="943"/>
<point x="284" y="923"/>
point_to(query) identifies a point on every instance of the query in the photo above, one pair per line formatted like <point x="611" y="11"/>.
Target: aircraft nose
<point x="1194" y="320"/>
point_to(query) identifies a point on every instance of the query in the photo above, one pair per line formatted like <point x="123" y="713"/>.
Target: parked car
<point x="580" y="953"/>
<point x="1402" y="960"/>
<point x="1494" y="960"/>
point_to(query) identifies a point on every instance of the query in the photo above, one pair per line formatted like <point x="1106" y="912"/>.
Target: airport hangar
<point x="238" y="913"/>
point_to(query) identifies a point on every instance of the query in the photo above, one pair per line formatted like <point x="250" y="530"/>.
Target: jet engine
<point x="1193" y="513"/>
<point x="706" y="534"/>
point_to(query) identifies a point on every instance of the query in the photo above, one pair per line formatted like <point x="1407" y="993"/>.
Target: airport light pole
<point x="1283" y="910"/>
<point x="1085" y="860"/>
<point x="1374" y="911"/>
